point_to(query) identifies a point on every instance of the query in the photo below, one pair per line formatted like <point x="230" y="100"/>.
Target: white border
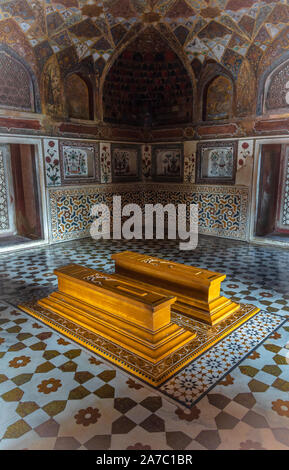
<point x="255" y="192"/>
<point x="37" y="142"/>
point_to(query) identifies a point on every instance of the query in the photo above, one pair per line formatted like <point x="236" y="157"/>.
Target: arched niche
<point x="18" y="86"/>
<point x="218" y="99"/>
<point x="78" y="97"/>
<point x="147" y="84"/>
<point x="276" y="90"/>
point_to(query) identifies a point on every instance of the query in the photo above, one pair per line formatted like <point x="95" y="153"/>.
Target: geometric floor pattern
<point x="189" y="385"/>
<point x="54" y="394"/>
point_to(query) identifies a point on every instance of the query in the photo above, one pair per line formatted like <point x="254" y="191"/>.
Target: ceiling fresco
<point x="225" y="31"/>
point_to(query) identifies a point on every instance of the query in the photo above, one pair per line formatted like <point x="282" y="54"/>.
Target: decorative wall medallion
<point x="79" y="162"/>
<point x="217" y="162"/>
<point x="51" y="159"/>
<point x="167" y="163"/>
<point x="126" y="162"/>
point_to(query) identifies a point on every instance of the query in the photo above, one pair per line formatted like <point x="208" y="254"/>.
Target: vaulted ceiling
<point x="226" y="31"/>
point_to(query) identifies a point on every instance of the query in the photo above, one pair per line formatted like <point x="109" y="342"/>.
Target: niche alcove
<point x="148" y="85"/>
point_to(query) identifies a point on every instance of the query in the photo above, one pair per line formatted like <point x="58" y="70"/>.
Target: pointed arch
<point x="265" y="82"/>
<point x="153" y="48"/>
<point x="217" y="93"/>
<point x="18" y="84"/>
<point x="78" y="96"/>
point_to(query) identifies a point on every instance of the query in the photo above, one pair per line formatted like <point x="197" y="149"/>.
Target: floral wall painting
<point x="105" y="162"/>
<point x="51" y="159"/>
<point x="245" y="152"/>
<point x="146" y="162"/>
<point x="167" y="164"/>
<point x="79" y="162"/>
<point x="75" y="162"/>
<point x="217" y="162"/>
<point x="190" y="148"/>
<point x="126" y="163"/>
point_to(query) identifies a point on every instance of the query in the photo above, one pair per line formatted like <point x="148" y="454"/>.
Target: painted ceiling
<point x="226" y="31"/>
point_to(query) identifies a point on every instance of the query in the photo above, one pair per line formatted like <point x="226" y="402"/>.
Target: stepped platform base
<point x="155" y="373"/>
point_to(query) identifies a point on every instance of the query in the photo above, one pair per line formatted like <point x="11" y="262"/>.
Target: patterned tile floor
<point x="56" y="395"/>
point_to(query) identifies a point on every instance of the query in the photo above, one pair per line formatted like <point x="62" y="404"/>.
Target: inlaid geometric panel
<point x="223" y="210"/>
<point x="71" y="208"/>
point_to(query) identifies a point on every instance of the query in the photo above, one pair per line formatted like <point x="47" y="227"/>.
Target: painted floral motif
<point x="245" y="151"/>
<point x="190" y="167"/>
<point x="125" y="163"/>
<point x="146" y="162"/>
<point x="79" y="162"/>
<point x="75" y="162"/>
<point x="51" y="157"/>
<point x="220" y="163"/>
<point x="105" y="163"/>
<point x="87" y="416"/>
<point x="216" y="162"/>
<point x="168" y="163"/>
